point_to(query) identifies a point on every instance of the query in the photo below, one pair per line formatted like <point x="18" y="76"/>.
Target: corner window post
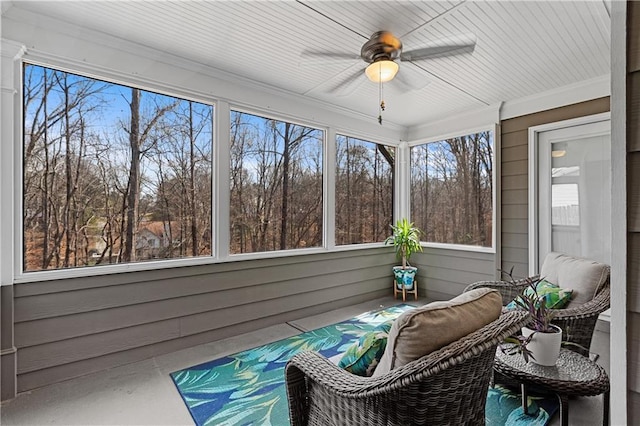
<point x="402" y="208"/>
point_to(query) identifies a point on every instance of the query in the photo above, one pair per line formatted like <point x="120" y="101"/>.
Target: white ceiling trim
<point x="474" y="120"/>
<point x="582" y="91"/>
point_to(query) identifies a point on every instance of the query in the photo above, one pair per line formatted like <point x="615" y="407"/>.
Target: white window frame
<point x="20" y="276"/>
<point x="226" y="207"/>
<point x="363" y="139"/>
<point x="12" y="272"/>
<point x="406" y="182"/>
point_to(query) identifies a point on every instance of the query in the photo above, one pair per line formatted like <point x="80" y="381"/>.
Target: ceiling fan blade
<point x="410" y="78"/>
<point x="348" y="84"/>
<point x="457" y="45"/>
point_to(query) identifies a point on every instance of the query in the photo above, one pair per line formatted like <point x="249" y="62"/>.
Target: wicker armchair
<point x="448" y="386"/>
<point x="577" y="322"/>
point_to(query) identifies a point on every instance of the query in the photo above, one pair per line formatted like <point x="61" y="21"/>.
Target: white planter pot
<point x="545" y="347"/>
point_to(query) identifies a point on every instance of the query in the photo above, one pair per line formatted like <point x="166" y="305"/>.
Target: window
<point x="565" y="204"/>
<point x="111" y="173"/>
<point x="276" y="185"/>
<point x="452" y="189"/>
<point x="364" y="190"/>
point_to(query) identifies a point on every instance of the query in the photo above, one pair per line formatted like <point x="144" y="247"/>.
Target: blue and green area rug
<point x="504" y="408"/>
<point x="248" y="388"/>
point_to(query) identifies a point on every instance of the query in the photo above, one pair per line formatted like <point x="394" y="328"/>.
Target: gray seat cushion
<point x="585" y="277"/>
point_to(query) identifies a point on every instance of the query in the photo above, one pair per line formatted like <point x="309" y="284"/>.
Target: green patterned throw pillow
<point x="554" y="296"/>
<point x="363" y="356"/>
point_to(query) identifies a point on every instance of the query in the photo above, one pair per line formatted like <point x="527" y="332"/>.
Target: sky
<point x="110" y="116"/>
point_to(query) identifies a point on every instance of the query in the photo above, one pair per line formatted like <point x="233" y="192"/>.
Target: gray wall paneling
<point x="633" y="212"/>
<point x="8" y="354"/>
<point x="444" y="273"/>
<point x="72" y="327"/>
<point x="68" y="328"/>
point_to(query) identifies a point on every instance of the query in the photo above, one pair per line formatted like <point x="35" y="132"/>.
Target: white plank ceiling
<point x="522" y="47"/>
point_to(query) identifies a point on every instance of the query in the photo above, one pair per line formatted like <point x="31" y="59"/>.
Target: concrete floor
<point x="142" y="393"/>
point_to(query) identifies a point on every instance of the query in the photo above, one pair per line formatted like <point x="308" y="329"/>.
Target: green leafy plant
<point x="536" y="305"/>
<point x="518" y="344"/>
<point x="406" y="240"/>
<point x="541" y="316"/>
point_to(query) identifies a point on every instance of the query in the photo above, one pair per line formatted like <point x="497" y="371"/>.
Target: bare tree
<point x="272" y="164"/>
<point x="55" y="106"/>
<point x="451" y="196"/>
<point x="364" y="191"/>
<point x="139" y="135"/>
<point x="89" y="179"/>
<point x="292" y="136"/>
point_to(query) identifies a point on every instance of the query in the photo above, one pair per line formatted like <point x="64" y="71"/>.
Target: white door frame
<point x="533" y="176"/>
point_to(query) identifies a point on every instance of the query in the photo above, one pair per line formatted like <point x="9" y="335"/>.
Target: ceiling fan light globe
<point x="381" y="71"/>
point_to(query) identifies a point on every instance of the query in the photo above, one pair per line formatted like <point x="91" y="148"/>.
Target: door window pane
<point x="580" y="197"/>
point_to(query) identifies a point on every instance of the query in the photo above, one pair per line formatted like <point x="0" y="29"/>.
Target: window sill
<point x="87" y="272"/>
<point x="460" y="247"/>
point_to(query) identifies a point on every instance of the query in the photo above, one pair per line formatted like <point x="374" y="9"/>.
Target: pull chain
<point x="381" y="99"/>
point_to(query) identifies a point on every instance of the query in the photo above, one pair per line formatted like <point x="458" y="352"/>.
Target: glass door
<point x="574" y="191"/>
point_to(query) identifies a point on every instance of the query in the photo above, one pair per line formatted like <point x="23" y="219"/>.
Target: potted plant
<point x="541" y="340"/>
<point x="406" y="240"/>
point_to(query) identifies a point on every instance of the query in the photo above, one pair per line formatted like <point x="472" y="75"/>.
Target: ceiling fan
<point x="381" y="52"/>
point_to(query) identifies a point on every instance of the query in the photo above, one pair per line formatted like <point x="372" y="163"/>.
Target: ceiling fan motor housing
<point x="382" y="45"/>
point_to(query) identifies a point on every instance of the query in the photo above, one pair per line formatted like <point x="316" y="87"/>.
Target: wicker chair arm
<point x="320" y="369"/>
<point x="508" y="289"/>
<point x="595" y="306"/>
<point x="578" y="323"/>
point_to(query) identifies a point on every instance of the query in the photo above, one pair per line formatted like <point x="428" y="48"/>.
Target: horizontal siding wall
<point x="8" y="354"/>
<point x="515" y="178"/>
<point x="444" y="273"/>
<point x="633" y="213"/>
<point x="72" y="327"/>
<point x="634" y="408"/>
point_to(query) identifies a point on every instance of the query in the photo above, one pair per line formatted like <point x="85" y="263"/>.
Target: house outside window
<point x="109" y="169"/>
<point x="452" y="194"/>
<point x="364" y="190"/>
<point x="276" y="184"/>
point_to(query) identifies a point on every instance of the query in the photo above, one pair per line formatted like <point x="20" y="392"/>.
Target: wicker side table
<point x="573" y="374"/>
